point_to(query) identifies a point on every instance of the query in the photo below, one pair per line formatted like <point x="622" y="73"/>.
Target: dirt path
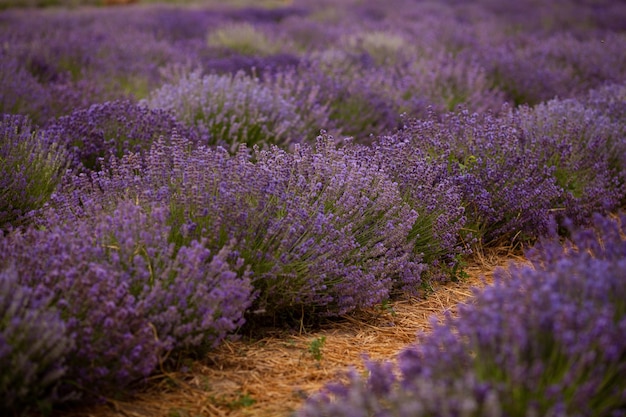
<point x="272" y="376"/>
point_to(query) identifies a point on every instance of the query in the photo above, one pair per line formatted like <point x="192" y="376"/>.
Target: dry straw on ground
<point x="273" y="375"/>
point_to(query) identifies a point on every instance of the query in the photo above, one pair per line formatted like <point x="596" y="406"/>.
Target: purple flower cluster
<point x="339" y="231"/>
<point x="44" y="79"/>
<point x="546" y="339"/>
<point x="360" y="96"/>
<point x="31" y="167"/>
<point x="321" y="227"/>
<point x="609" y="103"/>
<point x="534" y="69"/>
<point x="190" y="295"/>
<point x="34" y="344"/>
<point x="201" y="192"/>
<point x="478" y="154"/>
<point x="437" y="233"/>
<point x="113" y="345"/>
<point x="440" y="55"/>
<point x="126" y="295"/>
<point x="92" y="135"/>
<point x="516" y="170"/>
<point x="446" y="81"/>
<point x="230" y="110"/>
<point x="585" y="148"/>
<point x="55" y="63"/>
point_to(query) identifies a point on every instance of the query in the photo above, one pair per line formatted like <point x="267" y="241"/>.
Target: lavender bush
<point x="360" y="96"/>
<point x="351" y="227"/>
<point x="232" y="110"/>
<point x="609" y="100"/>
<point x="43" y="69"/>
<point x="561" y="153"/>
<point x="18" y="88"/>
<point x="55" y="63"/>
<point x="479" y="153"/>
<point x="609" y="103"/>
<point x="534" y="69"/>
<point x="31" y="167"/>
<point x="320" y="228"/>
<point x="545" y="339"/>
<point x="583" y="145"/>
<point x="92" y="135"/>
<point x="438" y="232"/>
<point x="34" y="344"/>
<point x="126" y="294"/>
<point x="113" y="343"/>
<point x="446" y="81"/>
<point x="577" y="17"/>
<point x="190" y="295"/>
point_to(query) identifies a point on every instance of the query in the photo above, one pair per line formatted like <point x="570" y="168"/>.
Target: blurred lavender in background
<point x="94" y="134"/>
<point x="230" y="110"/>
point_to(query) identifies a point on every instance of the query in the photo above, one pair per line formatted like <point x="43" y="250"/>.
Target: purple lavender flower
<point x="113" y="128"/>
<point x="191" y="296"/>
<point x="426" y="187"/>
<point x="126" y="294"/>
<point x="446" y="81"/>
<point x="477" y="153"/>
<point x="340" y="229"/>
<point x="55" y="63"/>
<point x="545" y="339"/>
<point x="232" y="110"/>
<point x="20" y="93"/>
<point x="113" y="343"/>
<point x="583" y="145"/>
<point x="609" y="103"/>
<point x="34" y="345"/>
<point x="321" y="228"/>
<point x="32" y="167"/>
<point x="361" y="97"/>
<point x="532" y="69"/>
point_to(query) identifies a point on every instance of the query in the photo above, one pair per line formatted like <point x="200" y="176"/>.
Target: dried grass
<point x="272" y="376"/>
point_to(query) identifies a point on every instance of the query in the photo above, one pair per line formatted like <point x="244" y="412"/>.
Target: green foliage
<point x="387" y="307"/>
<point x="316" y="346"/>
<point x="384" y="47"/>
<point x="239" y="401"/>
<point x="244" y="38"/>
<point x="457" y="271"/>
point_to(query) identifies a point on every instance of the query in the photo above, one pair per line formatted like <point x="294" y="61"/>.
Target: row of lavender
<point x="169" y="249"/>
<point x="546" y="339"/>
<point x="156" y="243"/>
<point x="368" y="61"/>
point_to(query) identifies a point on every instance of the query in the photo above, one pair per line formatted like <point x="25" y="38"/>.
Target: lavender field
<point x="177" y="174"/>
